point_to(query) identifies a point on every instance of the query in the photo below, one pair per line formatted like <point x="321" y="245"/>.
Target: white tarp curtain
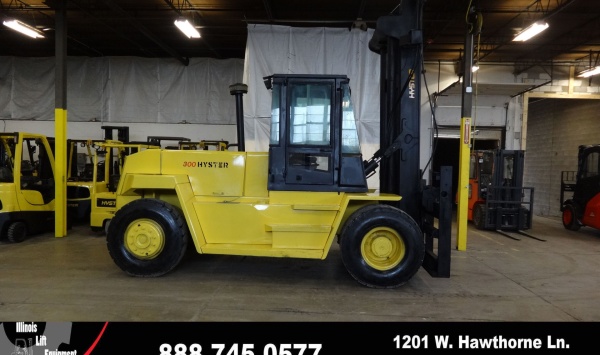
<point x="122" y="89"/>
<point x="274" y="49"/>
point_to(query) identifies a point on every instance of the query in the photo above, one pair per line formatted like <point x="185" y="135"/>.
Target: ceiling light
<point x="23" y="28"/>
<point x="589" y="72"/>
<point x="531" y="31"/>
<point x="186" y="27"/>
<point x="475" y="67"/>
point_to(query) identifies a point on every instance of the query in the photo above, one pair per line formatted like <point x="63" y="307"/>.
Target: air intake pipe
<point x="239" y="90"/>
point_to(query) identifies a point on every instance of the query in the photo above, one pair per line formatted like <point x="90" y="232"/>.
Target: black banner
<point x="293" y="338"/>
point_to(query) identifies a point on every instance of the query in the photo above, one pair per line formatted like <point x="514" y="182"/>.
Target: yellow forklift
<point x="81" y="181"/>
<point x="307" y="192"/>
<point x="107" y="167"/>
<point x="27" y="197"/>
<point x="26" y="185"/>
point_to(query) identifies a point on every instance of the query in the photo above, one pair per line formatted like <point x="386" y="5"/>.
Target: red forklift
<point x="497" y="198"/>
<point x="583" y="208"/>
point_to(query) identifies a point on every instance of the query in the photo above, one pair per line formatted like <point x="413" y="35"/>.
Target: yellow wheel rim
<point x="144" y="239"/>
<point x="382" y="248"/>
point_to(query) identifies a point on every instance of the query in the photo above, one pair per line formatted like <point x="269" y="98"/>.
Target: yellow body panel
<point x="255" y="180"/>
<point x="223" y="196"/>
<point x="145" y="162"/>
<point x="104" y="208"/>
<point x="211" y="173"/>
<point x="8" y="196"/>
<point x="30" y="197"/>
<point x="262" y="222"/>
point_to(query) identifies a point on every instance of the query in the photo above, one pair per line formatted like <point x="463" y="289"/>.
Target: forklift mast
<point x="122" y="133"/>
<point x="509" y="171"/>
<point x="496" y="168"/>
<point x="497" y="198"/>
<point x="398" y="38"/>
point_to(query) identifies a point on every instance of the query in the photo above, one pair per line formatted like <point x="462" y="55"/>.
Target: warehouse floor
<point x="495" y="279"/>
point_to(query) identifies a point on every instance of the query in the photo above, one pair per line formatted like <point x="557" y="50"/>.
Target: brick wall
<point x="556" y="128"/>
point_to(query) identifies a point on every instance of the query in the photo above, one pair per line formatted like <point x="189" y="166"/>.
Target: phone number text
<point x="241" y="349"/>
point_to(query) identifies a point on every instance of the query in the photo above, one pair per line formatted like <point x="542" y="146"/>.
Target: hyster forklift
<point x="497" y="198"/>
<point x="308" y="191"/>
<point x="107" y="166"/>
<point x="108" y="163"/>
<point x="26" y="185"/>
<point x="583" y="208"/>
<point x="82" y="182"/>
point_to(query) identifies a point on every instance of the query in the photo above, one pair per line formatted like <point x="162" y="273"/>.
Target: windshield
<point x="350" y="142"/>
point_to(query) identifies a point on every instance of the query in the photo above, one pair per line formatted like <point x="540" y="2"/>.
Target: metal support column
<point x="465" y="140"/>
<point x="60" y="123"/>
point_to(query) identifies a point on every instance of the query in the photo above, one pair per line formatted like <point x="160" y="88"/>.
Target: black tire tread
<point x="177" y="237"/>
<point x="16" y="232"/>
<point x="367" y="218"/>
<point x="479" y="215"/>
<point x="574" y="225"/>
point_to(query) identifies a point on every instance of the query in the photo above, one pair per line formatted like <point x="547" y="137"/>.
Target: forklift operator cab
<point x="308" y="150"/>
<point x="583" y="208"/>
<point x="26" y="185"/>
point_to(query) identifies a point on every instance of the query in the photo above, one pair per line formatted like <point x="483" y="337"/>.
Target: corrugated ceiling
<point x="145" y="27"/>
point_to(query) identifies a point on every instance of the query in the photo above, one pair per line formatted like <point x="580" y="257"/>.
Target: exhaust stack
<point x="239" y="90"/>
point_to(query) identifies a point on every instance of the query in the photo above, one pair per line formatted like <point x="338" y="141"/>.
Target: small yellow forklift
<point x="86" y="174"/>
<point x="26" y="185"/>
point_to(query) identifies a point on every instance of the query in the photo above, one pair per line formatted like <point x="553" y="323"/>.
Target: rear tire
<point x="382" y="246"/>
<point x="147" y="238"/>
<point x="479" y="215"/>
<point x="17" y="232"/>
<point x="569" y="218"/>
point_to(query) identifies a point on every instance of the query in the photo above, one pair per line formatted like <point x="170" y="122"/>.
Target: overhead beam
<point x="146" y="32"/>
<point x="267" y="5"/>
<point x="109" y="27"/>
<point x="561" y="5"/>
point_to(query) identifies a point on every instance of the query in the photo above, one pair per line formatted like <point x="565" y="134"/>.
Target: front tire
<point x="569" y="218"/>
<point x="147" y="238"/>
<point x="17" y="232"/>
<point x="479" y="216"/>
<point x="382" y="246"/>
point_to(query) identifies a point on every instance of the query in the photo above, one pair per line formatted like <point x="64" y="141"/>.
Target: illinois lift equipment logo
<point x="50" y="338"/>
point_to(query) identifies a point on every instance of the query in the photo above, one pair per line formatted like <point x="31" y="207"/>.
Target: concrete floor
<point x="495" y="279"/>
